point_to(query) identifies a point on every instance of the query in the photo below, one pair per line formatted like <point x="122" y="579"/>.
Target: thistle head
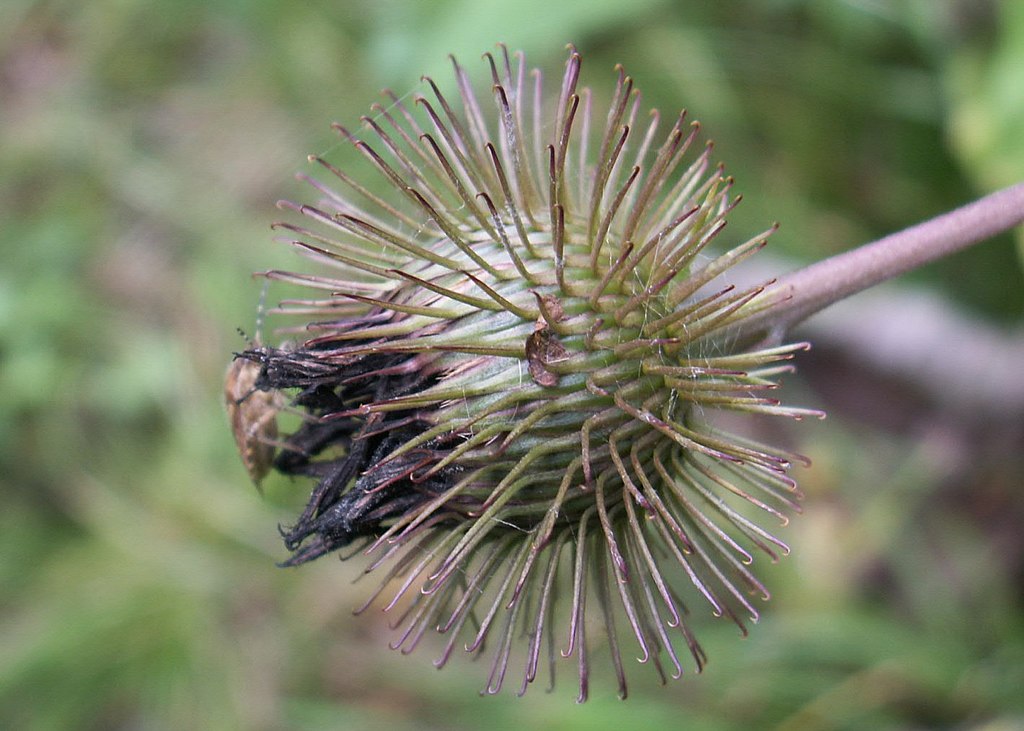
<point x="510" y="370"/>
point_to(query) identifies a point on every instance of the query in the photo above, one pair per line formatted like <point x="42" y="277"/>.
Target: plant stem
<point x="800" y="294"/>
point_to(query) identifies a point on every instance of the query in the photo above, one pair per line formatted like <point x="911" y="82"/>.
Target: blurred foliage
<point x="143" y="144"/>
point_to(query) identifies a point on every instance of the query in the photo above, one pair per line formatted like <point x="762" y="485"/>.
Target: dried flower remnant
<point x="510" y="377"/>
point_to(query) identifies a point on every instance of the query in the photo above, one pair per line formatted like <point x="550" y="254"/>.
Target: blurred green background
<point x="142" y="147"/>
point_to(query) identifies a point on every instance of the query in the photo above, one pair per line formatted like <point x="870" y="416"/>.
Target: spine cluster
<point x="511" y="372"/>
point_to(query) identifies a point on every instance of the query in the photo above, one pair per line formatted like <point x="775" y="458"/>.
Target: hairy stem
<point x="802" y="293"/>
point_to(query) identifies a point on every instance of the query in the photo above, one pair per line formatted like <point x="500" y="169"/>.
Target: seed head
<point x="511" y="374"/>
